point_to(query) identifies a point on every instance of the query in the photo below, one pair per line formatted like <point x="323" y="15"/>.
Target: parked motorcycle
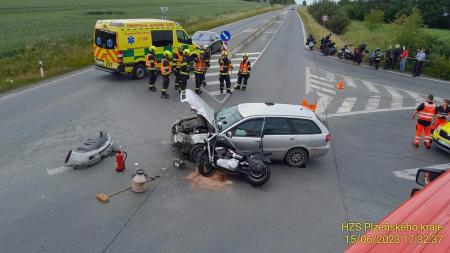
<point x="345" y="53"/>
<point x="311" y="45"/>
<point x="220" y="153"/>
<point x="329" y="48"/>
<point x="376" y="57"/>
<point x="358" y="53"/>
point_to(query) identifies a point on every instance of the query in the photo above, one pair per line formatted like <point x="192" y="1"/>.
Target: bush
<point x="373" y="19"/>
<point x="408" y="30"/>
<point x="338" y="21"/>
<point x="440" y="67"/>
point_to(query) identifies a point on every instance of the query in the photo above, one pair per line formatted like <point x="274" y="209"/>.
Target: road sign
<point x="164" y="10"/>
<point x="225" y="36"/>
<point x="325" y="17"/>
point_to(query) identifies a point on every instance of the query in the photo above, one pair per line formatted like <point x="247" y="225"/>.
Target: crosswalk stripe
<point x="397" y="99"/>
<point x="414" y="95"/>
<point x="347" y="105"/>
<point x="349" y="82"/>
<point x="234" y="80"/>
<point x="217" y="56"/>
<point x="236" y="59"/>
<point x="323" y="89"/>
<point x="308" y="80"/>
<point x="323" y="102"/>
<point x="322" y="83"/>
<point x="331" y="78"/>
<point x="373" y="103"/>
<point x="370" y="87"/>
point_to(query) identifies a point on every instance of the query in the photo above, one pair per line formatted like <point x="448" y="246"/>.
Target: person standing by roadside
<point x="403" y="59"/>
<point x="426" y="112"/>
<point x="397" y="53"/>
<point x="150" y="62"/>
<point x="199" y="71"/>
<point x="244" y="72"/>
<point x="225" y="67"/>
<point x="166" y="70"/>
<point x="207" y="58"/>
<point x="442" y="114"/>
<point x="420" y="58"/>
<point x="388" y="64"/>
<point x="185" y="69"/>
<point x="177" y="65"/>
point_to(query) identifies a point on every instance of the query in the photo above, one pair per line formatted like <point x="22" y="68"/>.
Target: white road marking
<point x="347" y="105"/>
<point x="323" y="102"/>
<point x="366" y="112"/>
<point x="349" y="82"/>
<point x="58" y="170"/>
<point x="308" y="80"/>
<point x="331" y="78"/>
<point x="217" y="82"/>
<point x="319" y="88"/>
<point x="373" y="103"/>
<point x="370" y="86"/>
<point x="322" y="83"/>
<point x="410" y="174"/>
<point x="414" y="95"/>
<point x="397" y="99"/>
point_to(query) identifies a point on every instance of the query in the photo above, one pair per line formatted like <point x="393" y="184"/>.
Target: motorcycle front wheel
<point x="204" y="168"/>
<point x="340" y="56"/>
<point x="259" y="174"/>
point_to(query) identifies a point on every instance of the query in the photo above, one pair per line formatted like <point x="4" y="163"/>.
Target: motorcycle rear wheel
<point x="204" y="168"/>
<point x="259" y="174"/>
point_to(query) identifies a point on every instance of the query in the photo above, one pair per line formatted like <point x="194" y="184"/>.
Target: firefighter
<point x="426" y="112"/>
<point x="199" y="70"/>
<point x="244" y="72"/>
<point x="442" y="114"/>
<point x="177" y="63"/>
<point x="207" y="58"/>
<point x="166" y="69"/>
<point x="185" y="69"/>
<point x="225" y="68"/>
<point x="150" y="62"/>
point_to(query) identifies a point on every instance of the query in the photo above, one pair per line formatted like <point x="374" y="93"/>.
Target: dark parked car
<point x="208" y="41"/>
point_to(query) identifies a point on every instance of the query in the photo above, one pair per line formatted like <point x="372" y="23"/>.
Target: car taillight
<point x="119" y="57"/>
<point x="328" y="138"/>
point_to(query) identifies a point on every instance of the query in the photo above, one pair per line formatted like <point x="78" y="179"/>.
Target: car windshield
<point x="201" y="36"/>
<point x="229" y="116"/>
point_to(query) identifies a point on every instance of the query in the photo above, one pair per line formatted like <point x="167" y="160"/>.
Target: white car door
<point x="247" y="135"/>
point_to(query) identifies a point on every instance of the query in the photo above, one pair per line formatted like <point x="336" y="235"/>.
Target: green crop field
<point x="60" y="31"/>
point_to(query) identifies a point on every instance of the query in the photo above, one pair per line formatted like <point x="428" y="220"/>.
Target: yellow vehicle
<point x="441" y="137"/>
<point x="120" y="45"/>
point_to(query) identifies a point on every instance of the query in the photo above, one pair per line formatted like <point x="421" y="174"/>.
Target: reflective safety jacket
<point x="178" y="60"/>
<point x="150" y="62"/>
<point x="166" y="68"/>
<point x="225" y="66"/>
<point x="245" y="67"/>
<point x="199" y="66"/>
<point x="207" y="58"/>
<point x="428" y="111"/>
<point x="185" y="66"/>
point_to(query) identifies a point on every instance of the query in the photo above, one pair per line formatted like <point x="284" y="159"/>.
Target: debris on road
<point x="215" y="182"/>
<point x="91" y="152"/>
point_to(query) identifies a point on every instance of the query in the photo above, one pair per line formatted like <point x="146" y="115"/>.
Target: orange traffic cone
<point x="305" y="103"/>
<point x="340" y="85"/>
<point x="313" y="107"/>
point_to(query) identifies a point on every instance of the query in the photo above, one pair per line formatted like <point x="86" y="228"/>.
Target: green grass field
<point x="60" y="32"/>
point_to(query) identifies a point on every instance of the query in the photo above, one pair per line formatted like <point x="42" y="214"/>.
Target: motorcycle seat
<point x="92" y="144"/>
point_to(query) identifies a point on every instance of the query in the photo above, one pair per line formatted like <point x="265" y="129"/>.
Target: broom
<point x="105" y="198"/>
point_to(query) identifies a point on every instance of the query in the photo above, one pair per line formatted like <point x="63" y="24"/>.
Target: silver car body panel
<point x="198" y="105"/>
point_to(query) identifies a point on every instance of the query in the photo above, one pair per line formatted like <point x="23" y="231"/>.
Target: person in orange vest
<point x="199" y="71"/>
<point x="150" y="62"/>
<point x="225" y="67"/>
<point x="207" y="58"/>
<point x="166" y="69"/>
<point x="426" y="112"/>
<point x="244" y="72"/>
<point x="177" y="63"/>
<point x="442" y="114"/>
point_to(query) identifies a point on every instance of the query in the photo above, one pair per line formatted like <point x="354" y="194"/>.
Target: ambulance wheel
<point x="139" y="71"/>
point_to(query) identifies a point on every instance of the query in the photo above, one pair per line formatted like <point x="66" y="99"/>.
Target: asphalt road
<point x="298" y="210"/>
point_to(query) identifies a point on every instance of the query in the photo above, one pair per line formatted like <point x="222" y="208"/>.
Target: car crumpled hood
<point x="198" y="105"/>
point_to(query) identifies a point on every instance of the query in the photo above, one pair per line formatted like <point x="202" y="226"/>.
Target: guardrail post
<point x="41" y="68"/>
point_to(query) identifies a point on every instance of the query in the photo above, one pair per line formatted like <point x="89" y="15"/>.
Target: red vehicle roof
<point x="431" y="205"/>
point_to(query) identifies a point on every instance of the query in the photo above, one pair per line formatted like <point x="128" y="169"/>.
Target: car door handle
<point x="292" y="139"/>
<point x="257" y="141"/>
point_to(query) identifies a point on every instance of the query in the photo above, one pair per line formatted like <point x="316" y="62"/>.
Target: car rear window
<point x="277" y="126"/>
<point x="105" y="39"/>
<point x="305" y="126"/>
<point x="163" y="38"/>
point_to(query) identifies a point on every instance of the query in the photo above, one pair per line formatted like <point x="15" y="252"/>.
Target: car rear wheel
<point x="139" y="71"/>
<point x="296" y="157"/>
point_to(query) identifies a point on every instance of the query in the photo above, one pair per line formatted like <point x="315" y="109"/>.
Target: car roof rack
<point x="269" y="103"/>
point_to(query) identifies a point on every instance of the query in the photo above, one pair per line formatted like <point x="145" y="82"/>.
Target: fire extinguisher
<point x="121" y="157"/>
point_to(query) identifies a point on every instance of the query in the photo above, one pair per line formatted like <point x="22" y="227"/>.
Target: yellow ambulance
<point x="120" y="45"/>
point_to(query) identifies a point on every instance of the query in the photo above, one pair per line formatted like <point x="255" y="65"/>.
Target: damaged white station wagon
<point x="290" y="132"/>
